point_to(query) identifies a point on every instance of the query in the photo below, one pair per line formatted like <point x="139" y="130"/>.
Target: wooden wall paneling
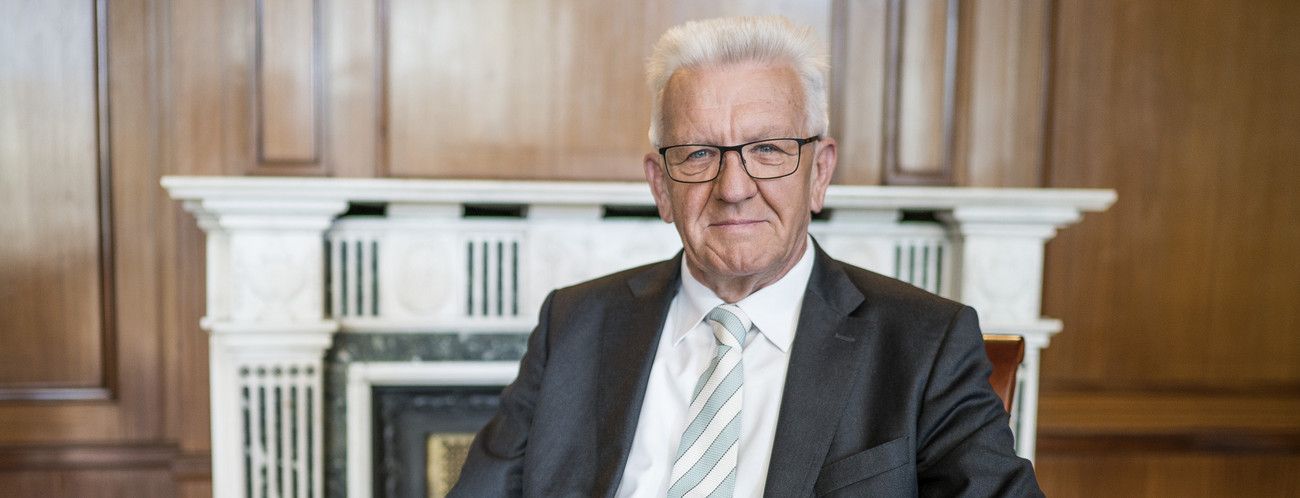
<point x="207" y="115"/>
<point x="1156" y="474"/>
<point x="543" y="90"/>
<point x="858" y="64"/>
<point x="287" y="87"/>
<point x="188" y="364"/>
<point x="137" y="220"/>
<point x="207" y="74"/>
<point x="353" y="73"/>
<point x="113" y="446"/>
<point x="1184" y="109"/>
<point x="920" y="91"/>
<point x="73" y="457"/>
<point x="194" y="490"/>
<point x="1202" y="413"/>
<point x="108" y="483"/>
<point x="496" y="89"/>
<point x="1001" y="93"/>
<point x="941" y="92"/>
<point x="111" y="40"/>
<point x="1179" y="372"/>
<point x="193" y="146"/>
<point x="56" y="325"/>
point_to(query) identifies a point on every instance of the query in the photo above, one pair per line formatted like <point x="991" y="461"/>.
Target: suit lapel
<point x="628" y="340"/>
<point x="824" y="355"/>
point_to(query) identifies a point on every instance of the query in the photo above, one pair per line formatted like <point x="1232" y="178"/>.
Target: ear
<point x="658" y="180"/>
<point x="823" y="168"/>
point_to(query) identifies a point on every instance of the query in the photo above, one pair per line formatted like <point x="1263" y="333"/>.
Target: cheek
<point x="689" y="204"/>
<point x="788" y="203"/>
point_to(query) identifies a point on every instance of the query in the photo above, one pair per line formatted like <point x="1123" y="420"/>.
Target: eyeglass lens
<point x="766" y="159"/>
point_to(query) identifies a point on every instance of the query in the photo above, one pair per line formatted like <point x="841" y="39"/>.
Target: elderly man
<point x="752" y="364"/>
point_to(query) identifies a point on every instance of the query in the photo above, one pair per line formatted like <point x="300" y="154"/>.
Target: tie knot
<point x="734" y="324"/>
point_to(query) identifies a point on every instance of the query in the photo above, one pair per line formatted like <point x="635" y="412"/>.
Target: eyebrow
<point x="763" y="135"/>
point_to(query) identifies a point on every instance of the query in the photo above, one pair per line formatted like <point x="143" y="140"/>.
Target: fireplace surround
<point x="320" y="291"/>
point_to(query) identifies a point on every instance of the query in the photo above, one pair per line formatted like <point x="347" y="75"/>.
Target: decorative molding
<point x="1170" y="412"/>
<point x="18" y="393"/>
<point x="1231" y="442"/>
<point x="311" y="163"/>
<point x="192" y="467"/>
<point x="107" y="260"/>
<point x="942" y="173"/>
<point x="276" y="193"/>
<point x="89" y="456"/>
<point x="107" y="386"/>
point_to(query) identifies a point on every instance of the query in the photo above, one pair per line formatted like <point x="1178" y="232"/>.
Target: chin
<point x="740" y="265"/>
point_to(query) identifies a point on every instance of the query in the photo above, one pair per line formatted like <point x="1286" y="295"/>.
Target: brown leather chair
<point x="1006" y="353"/>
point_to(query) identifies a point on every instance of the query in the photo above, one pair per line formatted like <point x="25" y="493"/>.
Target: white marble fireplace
<point x="321" y="289"/>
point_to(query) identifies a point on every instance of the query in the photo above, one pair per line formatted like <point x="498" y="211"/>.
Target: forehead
<point x="732" y="103"/>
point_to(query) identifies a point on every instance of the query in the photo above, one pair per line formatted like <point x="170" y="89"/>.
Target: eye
<point x="766" y="149"/>
<point x="699" y="154"/>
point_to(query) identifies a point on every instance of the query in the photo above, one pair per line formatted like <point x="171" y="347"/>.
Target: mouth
<point x="735" y="223"/>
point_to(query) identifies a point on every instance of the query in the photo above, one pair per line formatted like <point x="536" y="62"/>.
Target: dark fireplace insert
<point x="421" y="434"/>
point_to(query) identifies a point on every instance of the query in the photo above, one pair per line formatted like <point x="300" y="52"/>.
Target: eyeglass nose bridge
<point x="722" y="159"/>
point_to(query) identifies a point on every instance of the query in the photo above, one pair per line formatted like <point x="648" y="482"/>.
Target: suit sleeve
<point x="965" y="445"/>
<point x="494" y="466"/>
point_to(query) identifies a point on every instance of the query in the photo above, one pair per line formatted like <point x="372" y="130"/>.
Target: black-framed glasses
<point x="761" y="159"/>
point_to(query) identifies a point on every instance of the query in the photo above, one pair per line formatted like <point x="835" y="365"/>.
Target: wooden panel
<point x="134" y="412"/>
<point x="138" y="413"/>
<point x="190" y="146"/>
<point x="545" y="90"/>
<point x="287" y="83"/>
<point x="1191" y="280"/>
<point x="54" y="333"/>
<point x="207" y="99"/>
<point x="187" y="345"/>
<point x="941" y="92"/>
<point x="107" y="483"/>
<point x="351" y="48"/>
<point x="1002" y="90"/>
<point x="82" y="87"/>
<point x="920" y="91"/>
<point x="137" y="456"/>
<point x="194" y="490"/>
<point x="858" y="69"/>
<point x="1179" y="365"/>
<point x="1128" y="412"/>
<point x="1155" y="475"/>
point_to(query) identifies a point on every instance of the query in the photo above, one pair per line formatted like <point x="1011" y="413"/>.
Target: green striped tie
<point x="706" y="456"/>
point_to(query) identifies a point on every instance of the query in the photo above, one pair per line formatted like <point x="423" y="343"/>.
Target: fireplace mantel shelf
<point x="389" y="190"/>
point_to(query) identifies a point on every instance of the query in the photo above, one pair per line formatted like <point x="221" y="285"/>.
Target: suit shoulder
<point x="626" y="283"/>
<point x="894" y="293"/>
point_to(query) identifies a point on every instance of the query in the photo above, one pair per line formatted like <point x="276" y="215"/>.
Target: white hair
<point x="770" y="40"/>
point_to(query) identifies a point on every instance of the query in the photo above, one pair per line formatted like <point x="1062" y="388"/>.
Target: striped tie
<point x="706" y="456"/>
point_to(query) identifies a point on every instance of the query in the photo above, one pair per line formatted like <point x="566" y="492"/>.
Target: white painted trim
<point x="587" y="193"/>
<point x="364" y="376"/>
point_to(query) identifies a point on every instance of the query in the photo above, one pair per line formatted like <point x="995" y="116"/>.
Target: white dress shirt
<point x="686" y="346"/>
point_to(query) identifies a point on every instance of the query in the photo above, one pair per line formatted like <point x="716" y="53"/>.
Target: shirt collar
<point x="774" y="309"/>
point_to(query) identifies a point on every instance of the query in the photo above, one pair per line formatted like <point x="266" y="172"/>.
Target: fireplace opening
<point x="421" y="435"/>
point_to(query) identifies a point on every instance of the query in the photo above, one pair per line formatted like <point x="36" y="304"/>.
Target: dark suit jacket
<point x="887" y="394"/>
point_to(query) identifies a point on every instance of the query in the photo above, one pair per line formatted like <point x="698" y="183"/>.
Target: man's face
<point x="735" y="228"/>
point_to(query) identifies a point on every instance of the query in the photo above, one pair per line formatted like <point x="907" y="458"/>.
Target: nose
<point x="733" y="184"/>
